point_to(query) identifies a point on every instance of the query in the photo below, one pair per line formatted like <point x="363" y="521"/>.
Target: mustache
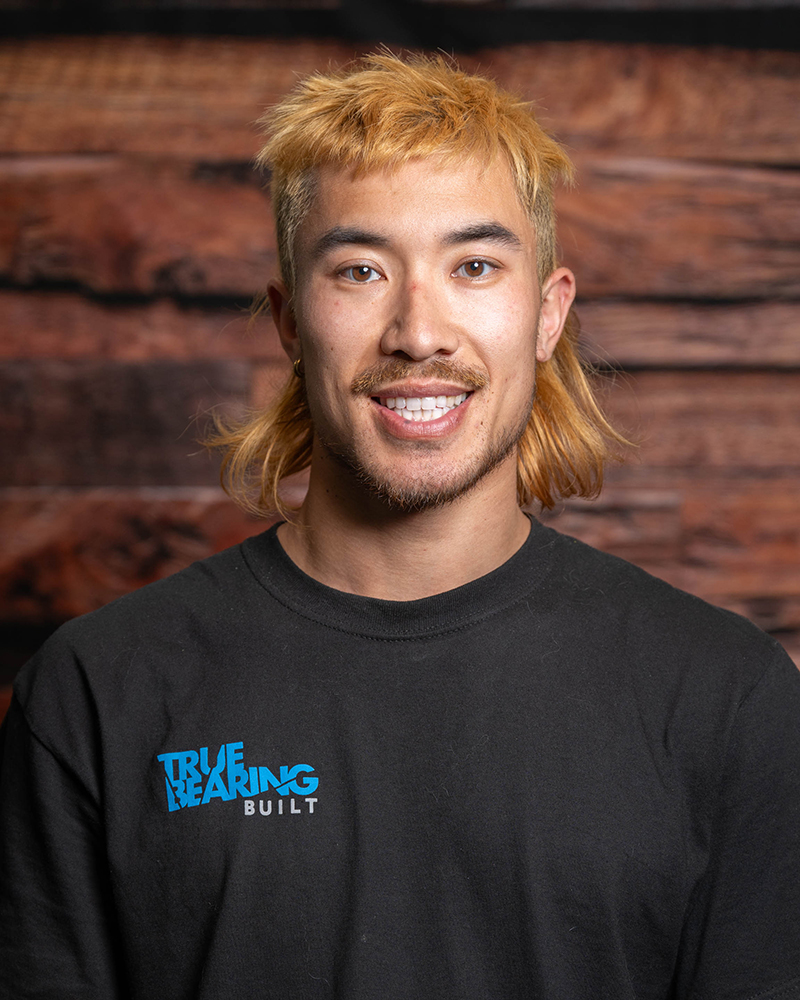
<point x="394" y="369"/>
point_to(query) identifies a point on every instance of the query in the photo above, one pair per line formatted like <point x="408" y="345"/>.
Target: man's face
<point x="416" y="314"/>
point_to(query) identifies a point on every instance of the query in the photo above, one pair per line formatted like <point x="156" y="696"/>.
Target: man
<point x="410" y="743"/>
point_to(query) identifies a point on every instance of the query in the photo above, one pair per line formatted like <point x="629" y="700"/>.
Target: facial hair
<point x="414" y="497"/>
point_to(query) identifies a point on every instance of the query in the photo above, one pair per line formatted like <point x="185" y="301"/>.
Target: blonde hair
<point x="380" y="113"/>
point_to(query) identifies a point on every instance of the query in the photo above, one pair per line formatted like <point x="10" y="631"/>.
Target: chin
<point x="428" y="489"/>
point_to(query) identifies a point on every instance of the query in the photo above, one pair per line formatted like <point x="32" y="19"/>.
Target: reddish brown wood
<point x="197" y="97"/>
<point x="706" y="421"/>
<point x="633" y="227"/>
<point x="117" y="226"/>
<point x="670" y="228"/>
<point x="5" y="700"/>
<point x="158" y="96"/>
<point x="675" y="335"/>
<point x="68" y="552"/>
<point x="95" y="423"/>
<point x="68" y="325"/>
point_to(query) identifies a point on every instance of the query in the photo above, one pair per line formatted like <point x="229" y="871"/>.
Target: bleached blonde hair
<point x="379" y="113"/>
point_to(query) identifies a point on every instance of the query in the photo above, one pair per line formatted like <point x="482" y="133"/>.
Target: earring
<point x="297" y="367"/>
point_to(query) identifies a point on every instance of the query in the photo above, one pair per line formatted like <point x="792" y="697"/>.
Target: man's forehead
<point x="479" y="193"/>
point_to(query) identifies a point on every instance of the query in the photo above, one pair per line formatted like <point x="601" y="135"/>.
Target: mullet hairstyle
<point x="380" y="113"/>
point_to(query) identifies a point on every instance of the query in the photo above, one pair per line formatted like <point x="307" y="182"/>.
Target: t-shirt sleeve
<point x="742" y="934"/>
<point x="57" y="927"/>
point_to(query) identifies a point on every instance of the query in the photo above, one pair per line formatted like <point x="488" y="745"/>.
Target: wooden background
<point x="132" y="234"/>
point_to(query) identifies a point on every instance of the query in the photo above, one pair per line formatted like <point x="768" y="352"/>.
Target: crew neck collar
<point x="397" y="620"/>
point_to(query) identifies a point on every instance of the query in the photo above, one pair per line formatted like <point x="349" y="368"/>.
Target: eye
<point x="475" y="269"/>
<point x="362" y="274"/>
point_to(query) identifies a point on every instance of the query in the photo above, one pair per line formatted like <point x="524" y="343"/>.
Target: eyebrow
<point x="341" y="236"/>
<point x="485" y="232"/>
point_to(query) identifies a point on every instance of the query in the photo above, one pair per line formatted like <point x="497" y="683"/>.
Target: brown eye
<point x="475" y="269"/>
<point x="361" y="273"/>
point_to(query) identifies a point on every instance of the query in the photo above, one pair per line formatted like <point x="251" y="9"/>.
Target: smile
<point x="423" y="408"/>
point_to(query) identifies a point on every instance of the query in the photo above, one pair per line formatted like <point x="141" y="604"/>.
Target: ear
<point x="558" y="294"/>
<point x="280" y="307"/>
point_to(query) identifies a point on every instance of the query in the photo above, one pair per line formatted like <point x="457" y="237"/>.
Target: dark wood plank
<point x="197" y="97"/>
<point x="93" y="423"/>
<point x="70" y="551"/>
<point x="704" y="422"/>
<point x="705" y="103"/>
<point x="669" y="228"/>
<point x="120" y="226"/>
<point x="40" y="324"/>
<point x="690" y="334"/>
<point x="186" y="97"/>
<point x="632" y="227"/>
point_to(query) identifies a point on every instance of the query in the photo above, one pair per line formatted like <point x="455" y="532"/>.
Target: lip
<point x="420" y="389"/>
<point x="410" y="430"/>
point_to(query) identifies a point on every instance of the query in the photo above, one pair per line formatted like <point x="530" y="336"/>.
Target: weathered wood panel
<point x="69" y="552"/>
<point x="706" y="103"/>
<point x="707" y="421"/>
<point x="68" y="325"/>
<point x="119" y="226"/>
<point x="96" y="423"/>
<point x="669" y="228"/>
<point x="158" y="96"/>
<point x="196" y="97"/>
<point x="632" y="227"/>
<point x="690" y="334"/>
<point x="639" y="333"/>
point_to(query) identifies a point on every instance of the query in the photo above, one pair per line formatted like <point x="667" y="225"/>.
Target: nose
<point x="419" y="326"/>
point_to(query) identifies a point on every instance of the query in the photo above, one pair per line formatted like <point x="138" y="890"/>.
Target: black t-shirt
<point x="565" y="781"/>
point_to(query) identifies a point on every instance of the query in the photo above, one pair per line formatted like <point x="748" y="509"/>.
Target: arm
<point x="742" y="934"/>
<point x="57" y="926"/>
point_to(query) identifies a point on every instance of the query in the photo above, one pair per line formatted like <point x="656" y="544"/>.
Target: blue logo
<point x="192" y="780"/>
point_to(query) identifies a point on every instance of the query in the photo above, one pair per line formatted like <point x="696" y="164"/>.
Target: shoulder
<point x="150" y="637"/>
<point x="654" y="621"/>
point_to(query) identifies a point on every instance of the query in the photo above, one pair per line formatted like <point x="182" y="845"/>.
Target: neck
<point x="355" y="543"/>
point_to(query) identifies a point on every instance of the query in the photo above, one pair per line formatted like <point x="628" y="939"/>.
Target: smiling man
<point x="409" y="742"/>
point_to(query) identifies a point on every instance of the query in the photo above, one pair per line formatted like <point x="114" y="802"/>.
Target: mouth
<point x="422" y="408"/>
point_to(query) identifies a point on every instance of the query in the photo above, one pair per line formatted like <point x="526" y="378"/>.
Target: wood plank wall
<point x="132" y="233"/>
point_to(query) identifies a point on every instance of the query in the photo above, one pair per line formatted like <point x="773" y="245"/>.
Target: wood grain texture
<point x="704" y="103"/>
<point x="197" y="97"/>
<point x="691" y="334"/>
<point x="632" y="227"/>
<point x="120" y="226"/>
<point x="93" y="423"/>
<point x="668" y="228"/>
<point x="707" y="421"/>
<point x="41" y="324"/>
<point x="69" y="552"/>
<point x="69" y="325"/>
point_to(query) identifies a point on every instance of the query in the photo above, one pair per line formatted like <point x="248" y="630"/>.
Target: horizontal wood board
<point x="196" y="97"/>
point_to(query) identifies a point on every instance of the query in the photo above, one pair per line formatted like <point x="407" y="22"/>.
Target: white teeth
<point x="425" y="407"/>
